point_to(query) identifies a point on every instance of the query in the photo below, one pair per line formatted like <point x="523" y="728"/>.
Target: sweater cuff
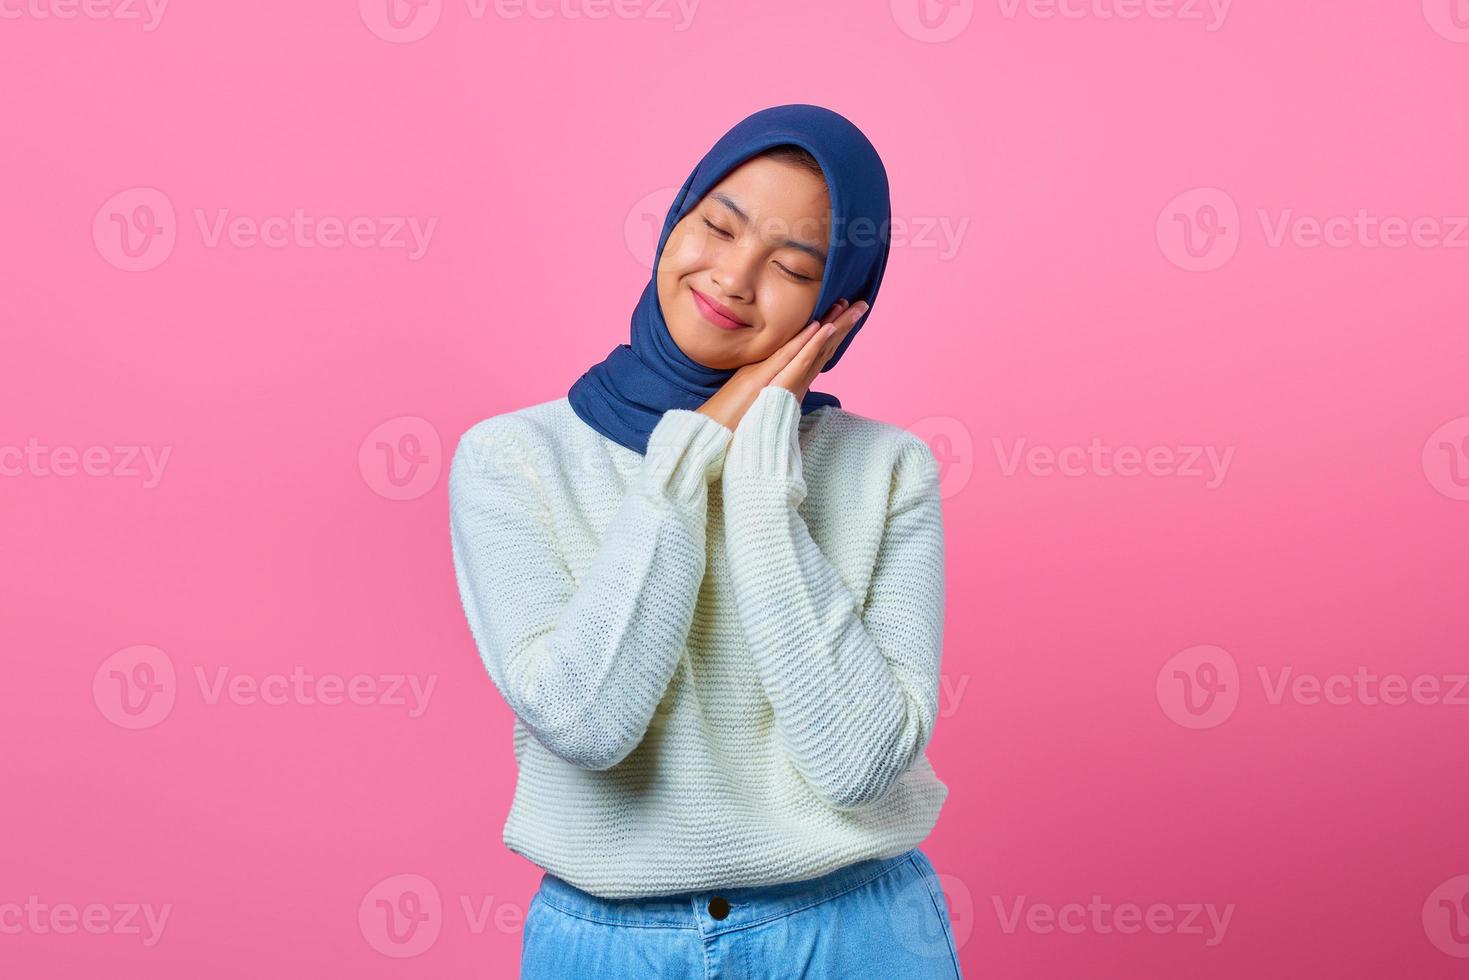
<point x="685" y="451"/>
<point x="766" y="444"/>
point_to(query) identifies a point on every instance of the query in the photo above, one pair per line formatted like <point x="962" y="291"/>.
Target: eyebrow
<point x="811" y="250"/>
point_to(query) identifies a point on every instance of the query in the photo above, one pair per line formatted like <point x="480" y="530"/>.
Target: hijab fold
<point x="624" y="396"/>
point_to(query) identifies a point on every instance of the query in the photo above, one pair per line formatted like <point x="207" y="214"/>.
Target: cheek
<point x="686" y="251"/>
<point x="786" y="309"/>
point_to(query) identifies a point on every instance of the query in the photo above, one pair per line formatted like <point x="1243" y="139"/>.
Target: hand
<point x="794" y="366"/>
<point x="808" y="361"/>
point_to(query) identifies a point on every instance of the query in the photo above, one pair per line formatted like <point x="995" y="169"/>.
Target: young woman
<point x="714" y="601"/>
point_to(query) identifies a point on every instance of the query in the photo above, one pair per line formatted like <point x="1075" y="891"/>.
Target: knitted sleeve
<point x="582" y="665"/>
<point x="853" y="685"/>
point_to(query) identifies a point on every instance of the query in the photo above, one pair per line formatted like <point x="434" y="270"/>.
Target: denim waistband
<point x="747" y="906"/>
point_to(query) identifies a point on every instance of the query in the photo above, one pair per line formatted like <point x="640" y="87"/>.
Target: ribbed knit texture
<point x="723" y="655"/>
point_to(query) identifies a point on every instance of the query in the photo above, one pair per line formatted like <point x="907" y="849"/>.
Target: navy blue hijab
<point x="624" y="396"/>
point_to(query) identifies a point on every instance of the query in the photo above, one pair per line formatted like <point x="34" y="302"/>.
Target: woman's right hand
<point x="734" y="398"/>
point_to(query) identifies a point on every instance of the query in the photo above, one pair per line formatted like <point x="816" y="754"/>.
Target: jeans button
<point x="719" y="906"/>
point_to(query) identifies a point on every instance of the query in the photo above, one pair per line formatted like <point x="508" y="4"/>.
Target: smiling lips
<point x="717" y="313"/>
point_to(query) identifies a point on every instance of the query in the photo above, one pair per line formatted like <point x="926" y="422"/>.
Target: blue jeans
<point x="883" y="917"/>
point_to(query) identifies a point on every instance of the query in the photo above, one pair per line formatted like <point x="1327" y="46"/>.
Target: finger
<point x="815" y="350"/>
<point x="788" y="352"/>
<point x="799" y="371"/>
<point x="845" y="325"/>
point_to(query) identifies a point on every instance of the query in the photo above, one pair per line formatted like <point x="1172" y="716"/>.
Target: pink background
<point x="1102" y="180"/>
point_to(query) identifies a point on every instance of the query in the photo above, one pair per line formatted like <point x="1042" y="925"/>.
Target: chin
<point x="704" y="349"/>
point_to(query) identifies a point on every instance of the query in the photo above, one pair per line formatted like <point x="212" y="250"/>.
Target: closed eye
<point x="789" y="272"/>
<point x="713" y="227"/>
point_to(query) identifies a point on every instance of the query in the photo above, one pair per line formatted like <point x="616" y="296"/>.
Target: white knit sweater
<point x="723" y="655"/>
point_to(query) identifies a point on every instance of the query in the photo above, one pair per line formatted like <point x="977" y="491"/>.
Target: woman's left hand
<point x="798" y="375"/>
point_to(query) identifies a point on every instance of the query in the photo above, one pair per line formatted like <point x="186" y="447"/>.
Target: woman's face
<point x="740" y="273"/>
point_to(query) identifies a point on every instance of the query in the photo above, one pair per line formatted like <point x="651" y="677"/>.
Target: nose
<point x="734" y="271"/>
